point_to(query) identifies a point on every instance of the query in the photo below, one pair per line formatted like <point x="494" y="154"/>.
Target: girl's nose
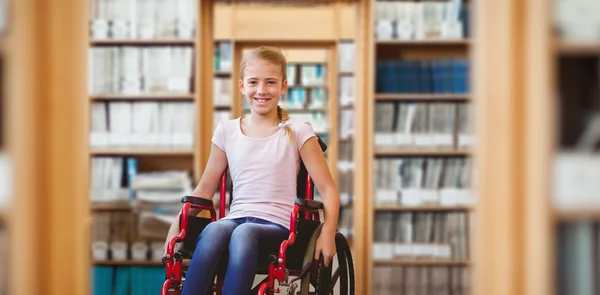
<point x="261" y="88"/>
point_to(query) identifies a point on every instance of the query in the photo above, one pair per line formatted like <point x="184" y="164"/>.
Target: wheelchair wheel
<point x="338" y="277"/>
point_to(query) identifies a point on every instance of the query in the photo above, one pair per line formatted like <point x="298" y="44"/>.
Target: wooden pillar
<point x="203" y="72"/>
<point x="363" y="147"/>
<point x="540" y="131"/>
<point x="501" y="158"/>
<point x="47" y="87"/>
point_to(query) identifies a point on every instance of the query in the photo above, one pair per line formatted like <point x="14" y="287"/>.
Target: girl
<point x="263" y="152"/>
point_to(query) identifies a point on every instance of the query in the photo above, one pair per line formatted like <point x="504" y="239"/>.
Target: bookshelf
<point x="223" y="30"/>
<point x="150" y="121"/>
<point x="572" y="85"/>
<point x="418" y="148"/>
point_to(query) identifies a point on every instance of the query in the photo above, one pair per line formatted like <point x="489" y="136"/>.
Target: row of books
<point x="423" y="124"/>
<point x="421" y="20"/>
<point x="308" y="74"/>
<point x="346" y="57"/>
<point x="443" y="76"/>
<point x="345" y="222"/>
<point x="222" y="94"/>
<point x="416" y="181"/>
<point x="346" y="187"/>
<point x="140" y="70"/>
<point x="302" y="98"/>
<point x="575" y="183"/>
<point x="223" y="60"/>
<point x="142" y="124"/>
<point x="419" y="280"/>
<point x="110" y="178"/>
<point x="143" y="19"/>
<point x="577" y="253"/>
<point x="577" y="19"/>
<point x="346" y="91"/>
<point x="346" y="156"/>
<point x="429" y="235"/>
<point x="127" y="280"/>
<point x="125" y="236"/>
<point x="346" y="124"/>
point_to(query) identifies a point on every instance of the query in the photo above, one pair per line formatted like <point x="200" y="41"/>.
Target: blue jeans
<point x="244" y="237"/>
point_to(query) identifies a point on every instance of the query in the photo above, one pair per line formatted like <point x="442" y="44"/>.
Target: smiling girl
<point x="263" y="152"/>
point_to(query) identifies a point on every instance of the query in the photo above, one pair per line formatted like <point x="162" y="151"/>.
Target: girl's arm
<point x="217" y="163"/>
<point x="315" y="163"/>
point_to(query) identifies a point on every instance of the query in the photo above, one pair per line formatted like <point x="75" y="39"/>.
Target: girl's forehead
<point x="262" y="68"/>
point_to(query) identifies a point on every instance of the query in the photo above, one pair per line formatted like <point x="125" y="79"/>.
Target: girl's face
<point x="262" y="86"/>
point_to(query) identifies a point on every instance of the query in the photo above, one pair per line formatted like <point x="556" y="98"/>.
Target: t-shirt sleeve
<point x="305" y="132"/>
<point x="219" y="136"/>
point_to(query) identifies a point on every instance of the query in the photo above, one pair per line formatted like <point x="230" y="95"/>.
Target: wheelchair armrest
<point x="197" y="201"/>
<point x="309" y="204"/>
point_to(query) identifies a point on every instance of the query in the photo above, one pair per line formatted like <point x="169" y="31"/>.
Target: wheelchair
<point x="295" y="256"/>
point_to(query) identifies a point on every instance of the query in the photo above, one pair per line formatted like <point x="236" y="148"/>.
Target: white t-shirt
<point x="263" y="170"/>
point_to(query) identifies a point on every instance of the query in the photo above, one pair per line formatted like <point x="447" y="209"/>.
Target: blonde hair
<point x="274" y="55"/>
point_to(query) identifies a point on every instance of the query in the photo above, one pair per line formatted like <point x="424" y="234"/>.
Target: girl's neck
<point x="268" y="120"/>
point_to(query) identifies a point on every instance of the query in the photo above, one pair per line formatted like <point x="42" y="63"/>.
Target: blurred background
<point x="463" y="135"/>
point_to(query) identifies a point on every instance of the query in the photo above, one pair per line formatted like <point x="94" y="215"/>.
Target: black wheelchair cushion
<point x="195" y="226"/>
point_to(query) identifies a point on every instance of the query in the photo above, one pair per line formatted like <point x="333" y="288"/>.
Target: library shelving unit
<point x="572" y="88"/>
<point x="148" y="114"/>
<point x="223" y="29"/>
<point x="418" y="147"/>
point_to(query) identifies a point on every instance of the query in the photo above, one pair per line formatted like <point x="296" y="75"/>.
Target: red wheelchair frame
<point x="277" y="268"/>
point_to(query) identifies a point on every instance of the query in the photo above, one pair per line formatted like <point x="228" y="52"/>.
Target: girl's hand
<point x="326" y="246"/>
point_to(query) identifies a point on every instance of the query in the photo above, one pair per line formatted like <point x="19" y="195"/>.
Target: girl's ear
<point x="241" y="85"/>
<point x="284" y="86"/>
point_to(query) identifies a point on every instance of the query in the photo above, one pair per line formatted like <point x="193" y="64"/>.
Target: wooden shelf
<point x="379" y="151"/>
<point x="122" y="42"/>
<point x="222" y="106"/>
<point x="421" y="96"/>
<point x="161" y="96"/>
<point x="420" y="262"/>
<point x="566" y="47"/>
<point x="576" y="214"/>
<point x="425" y="208"/>
<point x="141" y="152"/>
<point x="222" y="73"/>
<point x="428" y="42"/>
<point x="126" y="263"/>
<point x="110" y="207"/>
